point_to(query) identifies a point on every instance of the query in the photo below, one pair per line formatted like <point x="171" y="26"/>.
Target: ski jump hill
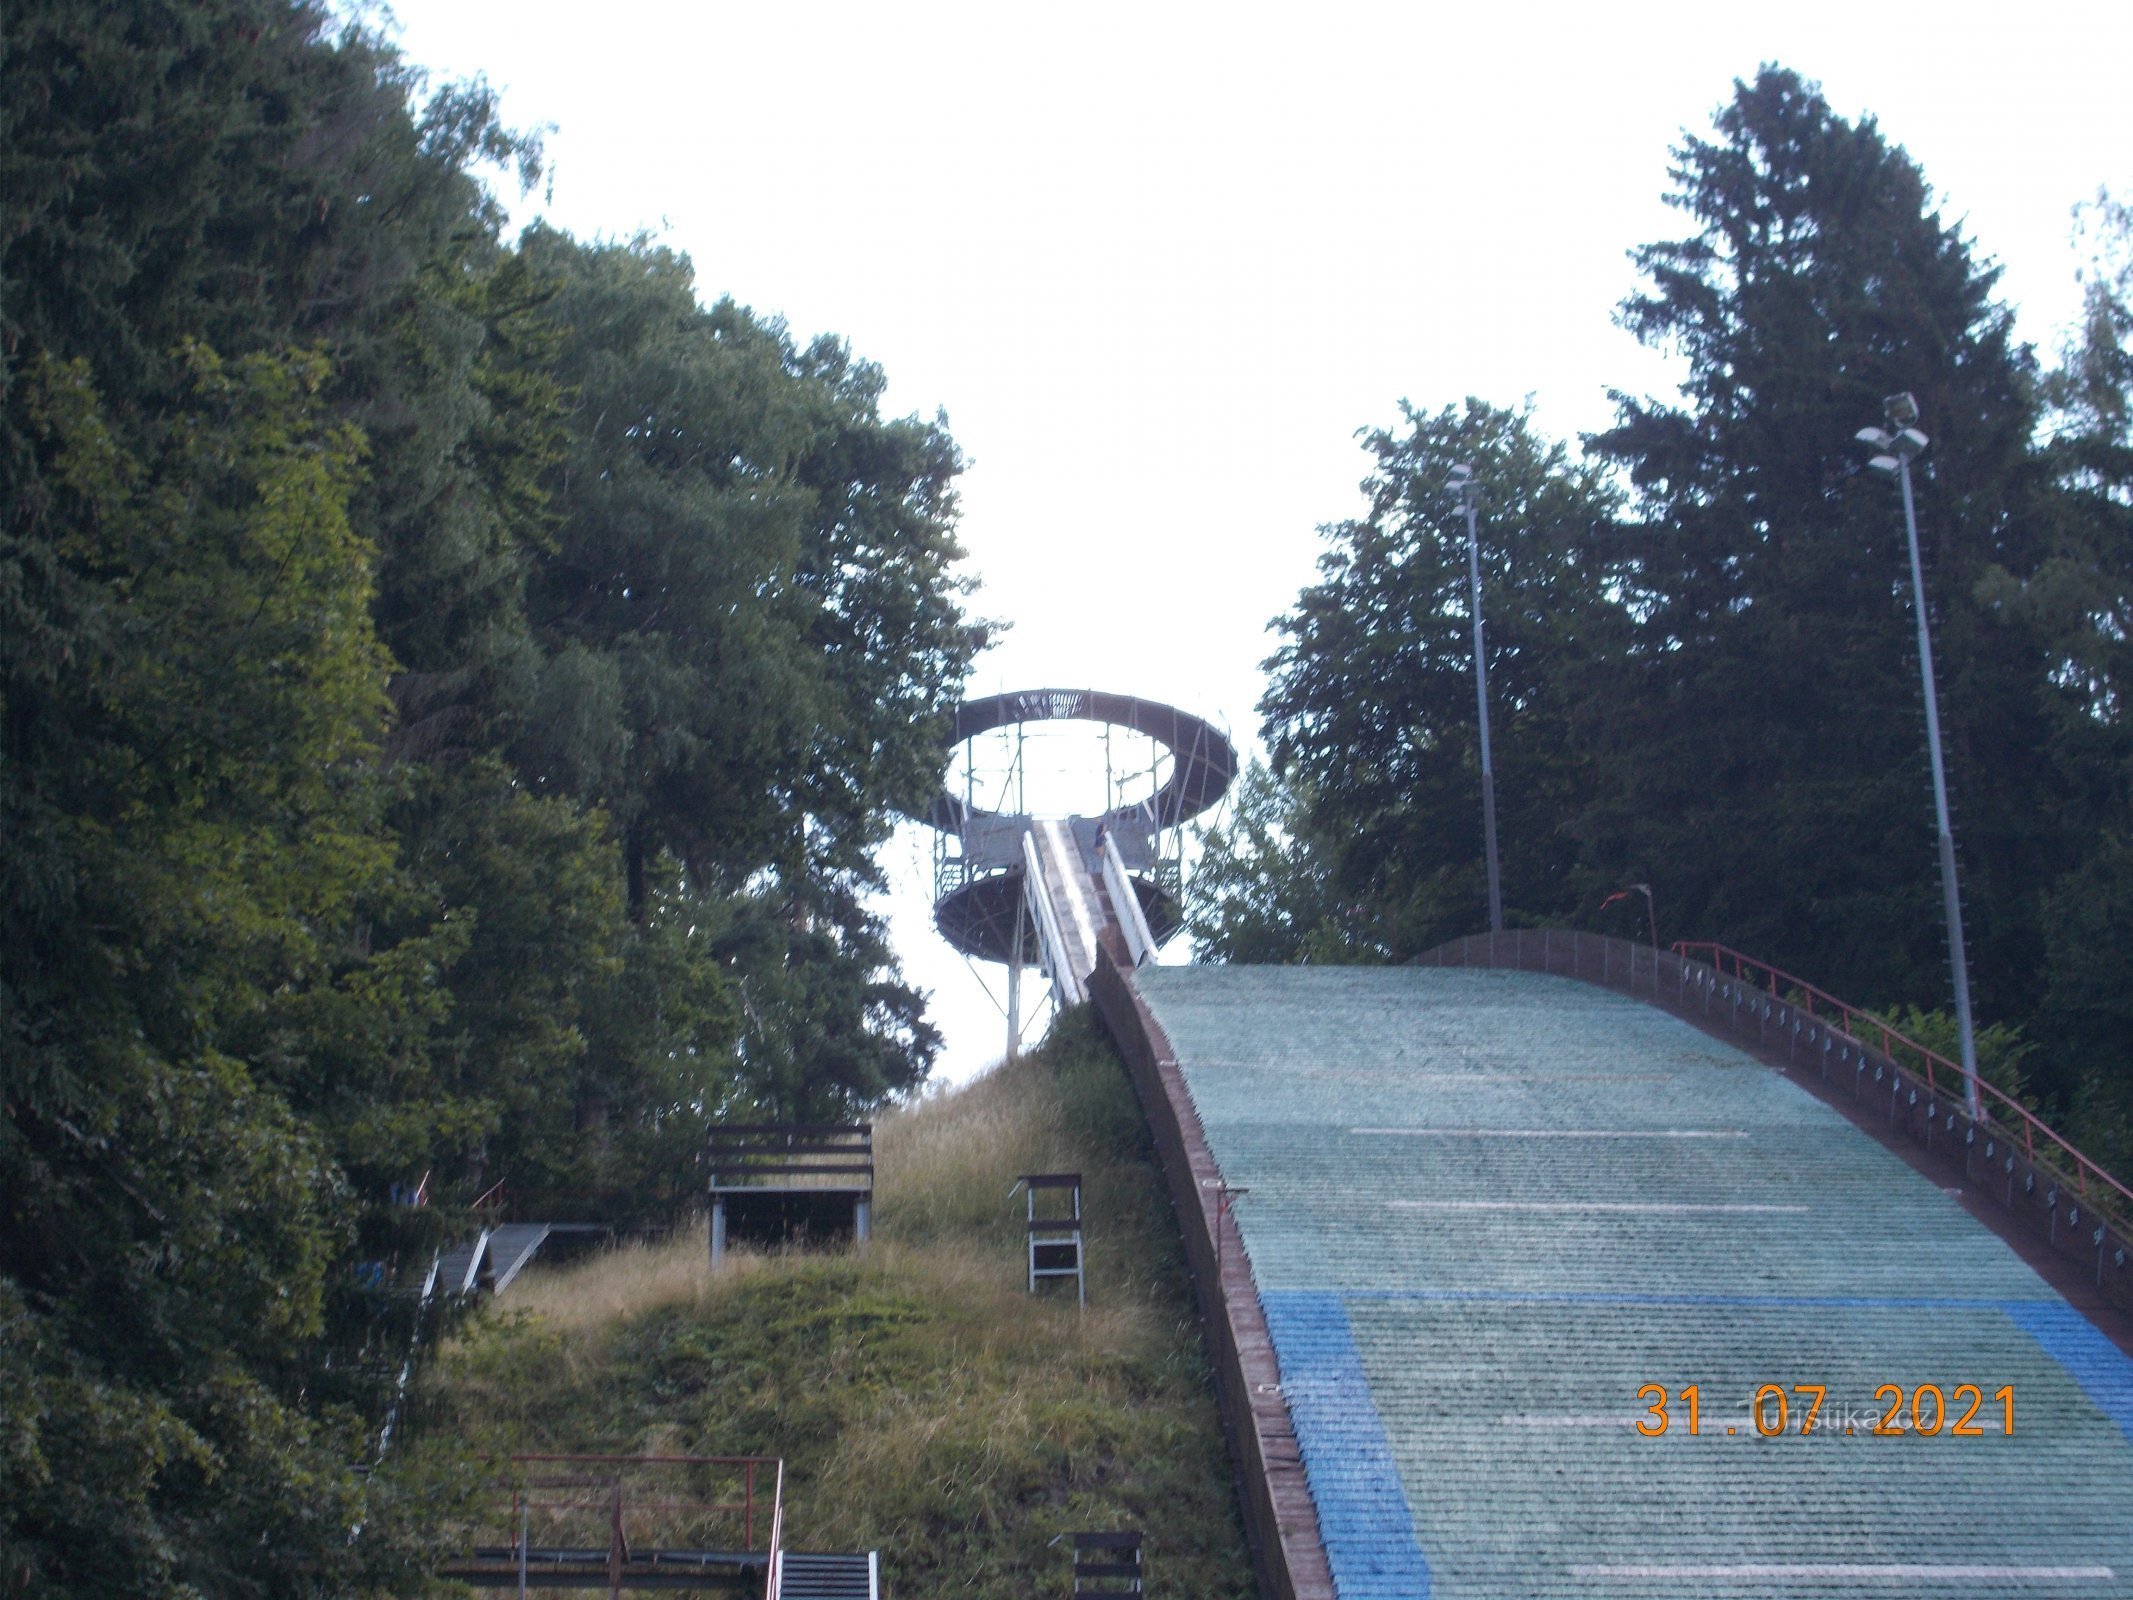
<point x="1557" y="1266"/>
<point x="1479" y="1211"/>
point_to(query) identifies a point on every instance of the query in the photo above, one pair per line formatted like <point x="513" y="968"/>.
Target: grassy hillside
<point x="925" y="1404"/>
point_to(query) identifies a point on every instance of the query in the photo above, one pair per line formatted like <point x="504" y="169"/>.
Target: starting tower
<point x="1026" y="887"/>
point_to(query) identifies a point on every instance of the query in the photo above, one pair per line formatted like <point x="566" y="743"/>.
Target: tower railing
<point x="1126" y="906"/>
<point x="1057" y="966"/>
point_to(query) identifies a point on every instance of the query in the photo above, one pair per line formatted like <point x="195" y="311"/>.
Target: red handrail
<point x="1747" y="969"/>
<point x="744" y="1508"/>
<point x="619" y="1496"/>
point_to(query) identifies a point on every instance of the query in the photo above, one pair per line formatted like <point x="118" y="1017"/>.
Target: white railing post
<point x="1126" y="905"/>
<point x="1065" y="981"/>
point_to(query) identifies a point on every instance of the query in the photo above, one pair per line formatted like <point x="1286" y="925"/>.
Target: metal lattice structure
<point x="1026" y="890"/>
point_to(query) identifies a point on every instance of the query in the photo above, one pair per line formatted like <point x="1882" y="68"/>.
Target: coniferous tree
<point x="2082" y="600"/>
<point x="1764" y="733"/>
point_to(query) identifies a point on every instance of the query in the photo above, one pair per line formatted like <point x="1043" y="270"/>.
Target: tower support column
<point x="1014" y="991"/>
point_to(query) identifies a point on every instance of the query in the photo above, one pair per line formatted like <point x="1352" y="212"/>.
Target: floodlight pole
<point x="1468" y="493"/>
<point x="1900" y="443"/>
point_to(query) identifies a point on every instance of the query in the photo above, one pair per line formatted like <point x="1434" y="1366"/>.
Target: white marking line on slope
<point x="1612" y="1207"/>
<point x="1860" y="1571"/>
<point x="1407" y="1076"/>
<point x="1560" y="1133"/>
<point x="1070" y="879"/>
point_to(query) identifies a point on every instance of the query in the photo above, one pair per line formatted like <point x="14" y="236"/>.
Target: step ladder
<point x="1107" y="1564"/>
<point x="1054" y="1239"/>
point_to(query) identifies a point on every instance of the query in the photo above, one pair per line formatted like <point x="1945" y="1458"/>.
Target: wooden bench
<point x="790" y="1183"/>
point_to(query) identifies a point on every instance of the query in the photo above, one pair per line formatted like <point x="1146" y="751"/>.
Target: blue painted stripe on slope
<point x="2099" y="1366"/>
<point x="1363" y="1515"/>
<point x="2103" y="1371"/>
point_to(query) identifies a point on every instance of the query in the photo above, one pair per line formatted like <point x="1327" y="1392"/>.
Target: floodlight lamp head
<point x="1908" y="443"/>
<point x="1901" y="409"/>
<point x="1874" y="438"/>
<point x="1887" y="465"/>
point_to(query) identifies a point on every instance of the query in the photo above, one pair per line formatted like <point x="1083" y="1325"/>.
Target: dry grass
<point x="617" y="1284"/>
<point x="940" y="1163"/>
<point x="946" y="1163"/>
<point x="925" y="1404"/>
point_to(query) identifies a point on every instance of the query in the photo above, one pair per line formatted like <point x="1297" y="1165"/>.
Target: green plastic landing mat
<point x="1488" y="1208"/>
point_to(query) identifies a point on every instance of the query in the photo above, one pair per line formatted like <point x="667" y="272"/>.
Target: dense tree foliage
<point x="2082" y="602"/>
<point x="450" y="696"/>
<point x="1263" y="889"/>
<point x="748" y="632"/>
<point x="1771" y="697"/>
<point x="1372" y="704"/>
<point x="1710" y="684"/>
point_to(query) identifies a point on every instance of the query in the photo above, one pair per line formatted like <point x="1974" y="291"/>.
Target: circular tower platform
<point x="981" y="907"/>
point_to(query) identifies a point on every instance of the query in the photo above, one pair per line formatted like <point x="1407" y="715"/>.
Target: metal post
<point x="1951" y="898"/>
<point x="1468" y="492"/>
<point x="1900" y="442"/>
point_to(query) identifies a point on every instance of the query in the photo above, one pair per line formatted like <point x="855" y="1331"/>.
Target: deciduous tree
<point x="1371" y="715"/>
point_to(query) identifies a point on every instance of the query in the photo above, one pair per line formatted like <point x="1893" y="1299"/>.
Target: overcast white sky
<point x="1158" y="263"/>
